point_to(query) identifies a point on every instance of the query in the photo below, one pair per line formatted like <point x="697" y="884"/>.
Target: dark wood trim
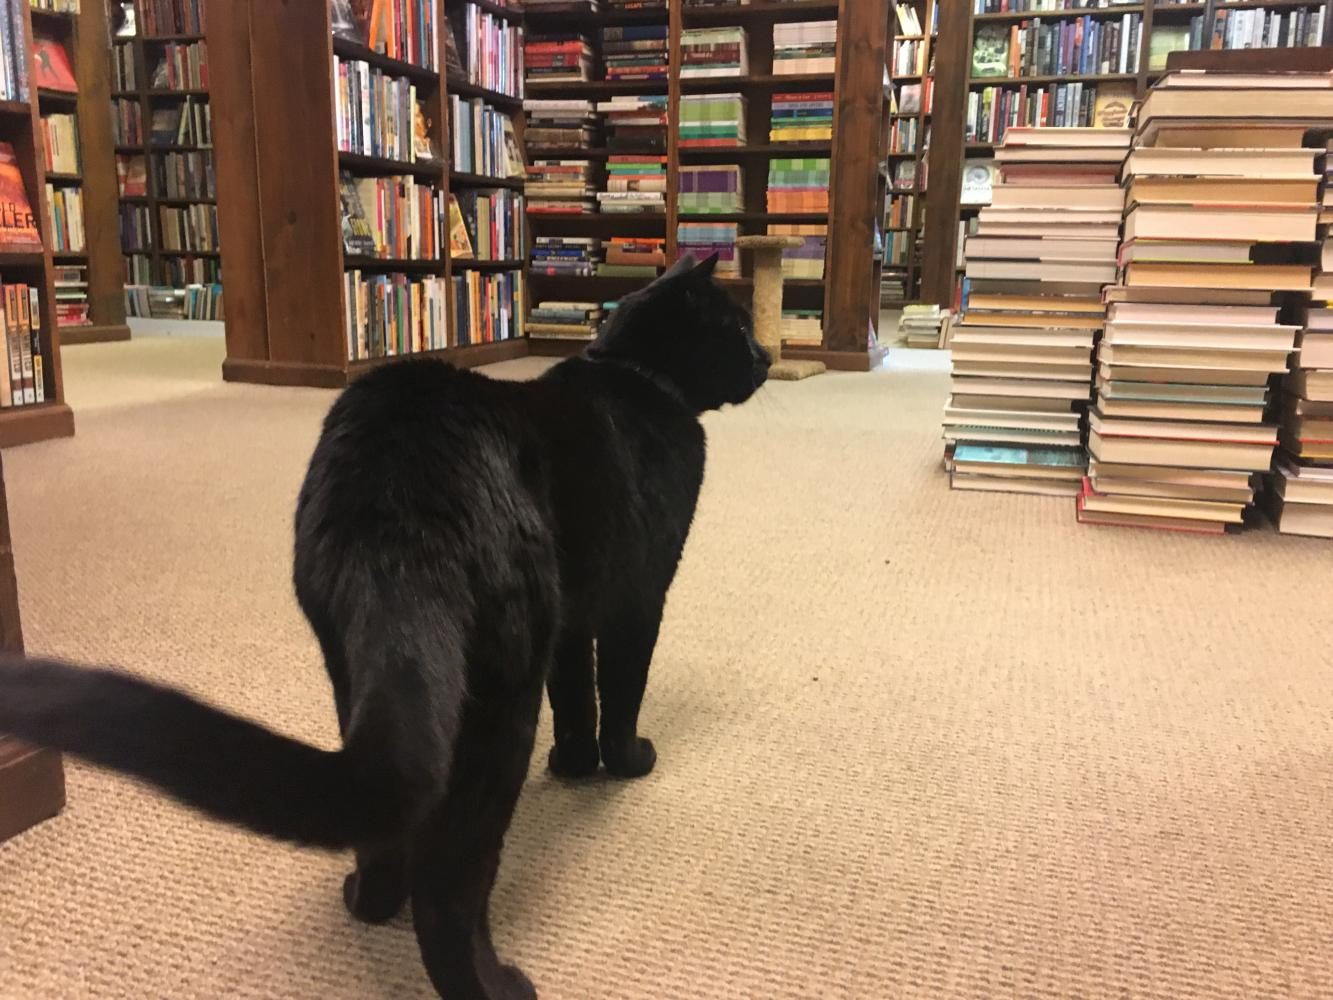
<point x="1307" y="60"/>
<point x="841" y="361"/>
<point x="263" y="372"/>
<point x="468" y="356"/>
<point x="28" y="424"/>
<point x="953" y="55"/>
<point x="94" y="334"/>
<point x="32" y="787"/>
<point x="554" y="347"/>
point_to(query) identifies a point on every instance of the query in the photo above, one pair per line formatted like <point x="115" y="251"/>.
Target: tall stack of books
<point x="566" y="255"/>
<point x="562" y="123"/>
<point x="802" y="117"/>
<point x="921" y="325"/>
<point x="807" y="260"/>
<point x="713" y="52"/>
<point x="564" y="320"/>
<point x="703" y="239"/>
<point x="712" y="121"/>
<point x="1219" y="231"/>
<point x="1302" y="482"/>
<point x="559" y="187"/>
<point x="1043" y="251"/>
<point x="635" y="184"/>
<point x="711" y="189"/>
<point x="562" y="58"/>
<point x="804" y="47"/>
<point x="635" y="51"/>
<point x="633" y="257"/>
<point x="802" y="327"/>
<point x="635" y="123"/>
<point x="798" y="184"/>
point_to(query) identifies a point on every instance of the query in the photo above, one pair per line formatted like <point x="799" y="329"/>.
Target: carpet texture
<point x="913" y="743"/>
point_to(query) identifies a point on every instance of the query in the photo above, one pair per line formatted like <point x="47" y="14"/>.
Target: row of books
<point x="798" y="184"/>
<point x="706" y="52"/>
<point x="1058" y="48"/>
<point x="802" y="117"/>
<point x="14" y="64"/>
<point x="124" y="67"/>
<point x="1268" y="29"/>
<point x="1035" y="6"/>
<point x="909" y="57"/>
<point x="905" y="135"/>
<point x="126" y="122"/>
<point x="486" y="307"/>
<point x="398" y="218"/>
<point x="23" y="368"/>
<point x="405" y="30"/>
<point x="71" y="285"/>
<point x="711" y="189"/>
<point x="194" y="301"/>
<point x="621" y="124"/>
<point x="190" y="227"/>
<point x="564" y="320"/>
<point x="374" y="112"/>
<point x="184" y="175"/>
<point x="393" y="314"/>
<point x="993" y="110"/>
<point x="179" y="271"/>
<point x="562" y="58"/>
<point x="635" y="183"/>
<point x="482" y="139"/>
<point x="711" y="121"/>
<point x="635" y="51"/>
<point x="1022" y="353"/>
<point x="914" y="98"/>
<point x="189" y="123"/>
<point x="582" y="256"/>
<point x="491" y="51"/>
<point x="183" y="67"/>
<point x="171" y="17"/>
<point x="57" y="6"/>
<point x="804" y="47"/>
<point x="66" y="205"/>
<point x="136" y="228"/>
<point x="60" y="143"/>
<point x="901" y="212"/>
<point x="494" y="223"/>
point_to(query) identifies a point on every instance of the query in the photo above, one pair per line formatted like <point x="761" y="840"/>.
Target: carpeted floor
<point x="913" y="743"/>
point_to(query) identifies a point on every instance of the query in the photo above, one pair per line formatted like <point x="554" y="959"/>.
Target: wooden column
<point x="953" y="52"/>
<point x="32" y="782"/>
<point x="850" y="291"/>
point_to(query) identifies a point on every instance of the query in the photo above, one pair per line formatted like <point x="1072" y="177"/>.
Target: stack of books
<point x="71" y="282"/>
<point x="713" y="52"/>
<point x="806" y="260"/>
<point x="802" y="327"/>
<point x="1302" y="483"/>
<point x="561" y="58"/>
<point x="712" y="121"/>
<point x="635" y="123"/>
<point x="1022" y="354"/>
<point x="712" y="189"/>
<point x="922" y="325"/>
<point x="703" y="239"/>
<point x="635" y="51"/>
<point x="635" y="184"/>
<point x="564" y="320"/>
<point x="1220" y="217"/>
<point x="804" y="47"/>
<point x="559" y="187"/>
<point x="566" y="255"/>
<point x="633" y="257"/>
<point x="798" y="184"/>
<point x="559" y="124"/>
<point x="802" y="117"/>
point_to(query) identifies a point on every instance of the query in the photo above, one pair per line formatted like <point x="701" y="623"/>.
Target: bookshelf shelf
<point x="18" y="109"/>
<point x="63" y="97"/>
<point x="760" y="11"/>
<point x="1045" y="15"/>
<point x="484" y="181"/>
<point x="765" y="150"/>
<point x="59" y="178"/>
<point x="463" y="88"/>
<point x="393" y="263"/>
<point x="378" y="166"/>
<point x="1016" y="81"/>
<point x="759" y="82"/>
<point x="473" y="264"/>
<point x="346" y="48"/>
<point x="513" y="14"/>
<point x="159" y="39"/>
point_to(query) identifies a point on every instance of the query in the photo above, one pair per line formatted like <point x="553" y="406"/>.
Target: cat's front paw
<point x="373" y="900"/>
<point x="572" y="759"/>
<point x="514" y="985"/>
<point x="631" y="760"/>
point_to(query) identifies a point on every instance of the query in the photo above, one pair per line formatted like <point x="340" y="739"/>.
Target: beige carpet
<point x="913" y="743"/>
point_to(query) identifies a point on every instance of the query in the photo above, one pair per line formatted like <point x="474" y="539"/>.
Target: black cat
<point x="459" y="540"/>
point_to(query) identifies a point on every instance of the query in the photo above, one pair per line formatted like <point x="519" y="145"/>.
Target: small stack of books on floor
<point x="1219" y="231"/>
<point x="703" y="239"/>
<point x="802" y="327"/>
<point x="551" y="320"/>
<point x="921" y="325"/>
<point x="798" y="184"/>
<point x="71" y="282"/>
<point x="712" y="189"/>
<point x="635" y="51"/>
<point x="1302" y="481"/>
<point x="802" y="117"/>
<point x="559" y="187"/>
<point x="807" y="260"/>
<point x="563" y="58"/>
<point x="635" y="185"/>
<point x="633" y="257"/>
<point x="712" y="121"/>
<point x="804" y="47"/>
<point x="708" y="52"/>
<point x="1022" y="354"/>
<point x="635" y="123"/>
<point x="558" y="124"/>
<point x="575" y="256"/>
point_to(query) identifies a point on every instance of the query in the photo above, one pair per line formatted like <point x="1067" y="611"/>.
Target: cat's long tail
<point x="229" y="768"/>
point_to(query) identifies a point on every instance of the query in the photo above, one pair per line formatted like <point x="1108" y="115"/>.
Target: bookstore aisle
<point x="939" y="752"/>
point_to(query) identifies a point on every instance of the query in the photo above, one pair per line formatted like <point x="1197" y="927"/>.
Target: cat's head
<point x="685" y="328"/>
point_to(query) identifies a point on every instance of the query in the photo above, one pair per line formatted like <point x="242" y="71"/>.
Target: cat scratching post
<point x="767" y="304"/>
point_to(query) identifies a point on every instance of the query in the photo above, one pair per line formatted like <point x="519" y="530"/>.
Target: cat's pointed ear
<point x="684" y="264"/>
<point x="705" y="268"/>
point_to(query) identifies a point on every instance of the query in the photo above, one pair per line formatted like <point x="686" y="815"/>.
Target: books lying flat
<point x="1184" y="453"/>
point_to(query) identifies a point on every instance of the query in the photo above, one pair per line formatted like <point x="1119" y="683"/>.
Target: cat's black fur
<point x="459" y="540"/>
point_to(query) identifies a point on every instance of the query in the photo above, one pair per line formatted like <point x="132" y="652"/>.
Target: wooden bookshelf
<point x="158" y="266"/>
<point x="85" y="37"/>
<point x="906" y="269"/>
<point x="20" y="125"/>
<point x="953" y="51"/>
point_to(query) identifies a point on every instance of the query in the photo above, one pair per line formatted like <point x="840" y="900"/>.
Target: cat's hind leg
<point x="624" y="651"/>
<point x="574" y="707"/>
<point x="457" y="851"/>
